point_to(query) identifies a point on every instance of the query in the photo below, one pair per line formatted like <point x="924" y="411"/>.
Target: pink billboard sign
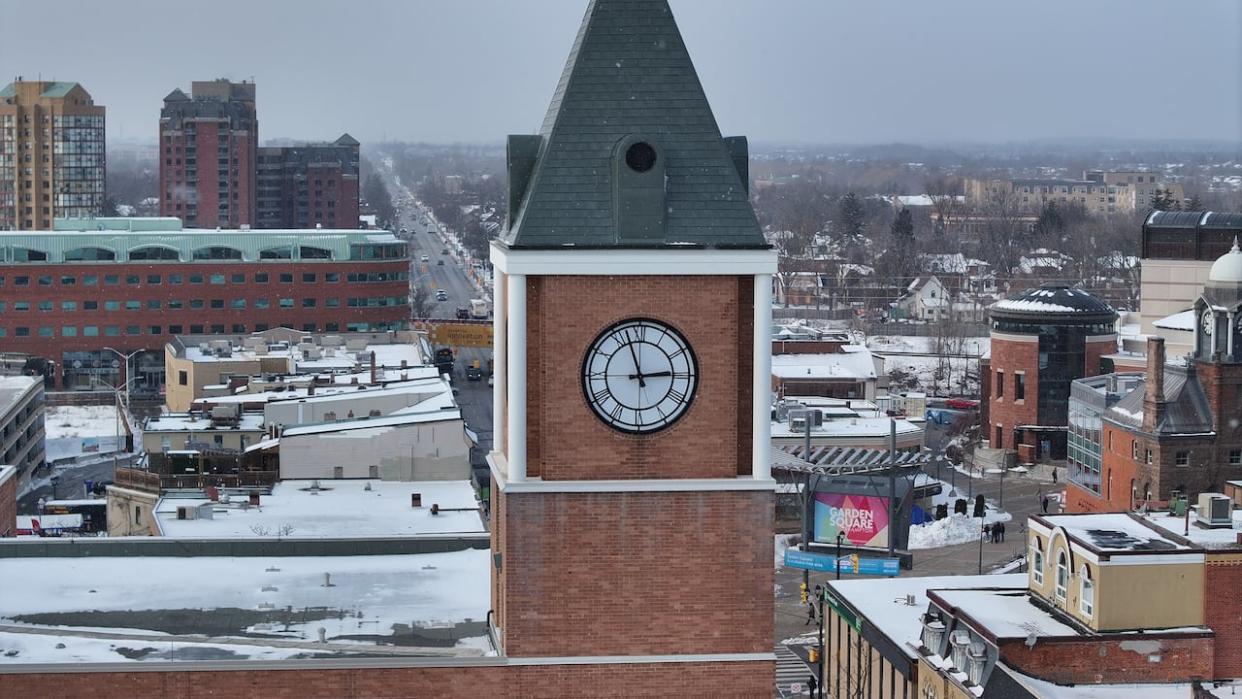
<point x="863" y="519"/>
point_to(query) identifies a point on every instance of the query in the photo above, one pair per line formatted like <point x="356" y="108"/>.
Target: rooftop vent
<point x="1215" y="511"/>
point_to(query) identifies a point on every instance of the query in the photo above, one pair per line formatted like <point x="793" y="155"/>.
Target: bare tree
<point x="421" y="304"/>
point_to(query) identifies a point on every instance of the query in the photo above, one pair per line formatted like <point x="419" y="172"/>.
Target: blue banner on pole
<point x="805" y="560"/>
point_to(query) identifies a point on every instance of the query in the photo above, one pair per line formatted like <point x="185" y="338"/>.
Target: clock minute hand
<point x="657" y="374"/>
<point x="637" y="368"/>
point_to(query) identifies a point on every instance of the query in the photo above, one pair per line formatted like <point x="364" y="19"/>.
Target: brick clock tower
<point x="633" y="500"/>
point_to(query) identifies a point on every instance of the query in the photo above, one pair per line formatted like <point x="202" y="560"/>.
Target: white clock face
<point x="639" y="376"/>
<point x="1209" y="322"/>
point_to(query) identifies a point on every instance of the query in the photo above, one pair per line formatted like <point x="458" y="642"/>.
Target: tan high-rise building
<point x="51" y="154"/>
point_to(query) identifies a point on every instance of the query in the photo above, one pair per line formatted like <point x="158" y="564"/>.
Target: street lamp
<point x="128" y="376"/>
<point x="839" y="537"/>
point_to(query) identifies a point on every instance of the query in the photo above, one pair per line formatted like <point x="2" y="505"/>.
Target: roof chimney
<point x="374" y="378"/>
<point x="1153" y="401"/>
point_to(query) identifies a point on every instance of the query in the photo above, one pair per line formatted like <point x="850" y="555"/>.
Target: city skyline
<point x="415" y="72"/>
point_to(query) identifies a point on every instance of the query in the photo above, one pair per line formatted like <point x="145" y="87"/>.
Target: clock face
<point x="639" y="376"/>
<point x="1209" y="322"/>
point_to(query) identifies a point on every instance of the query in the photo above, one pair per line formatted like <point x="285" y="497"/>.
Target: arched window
<point x="155" y="252"/>
<point x="1062" y="576"/>
<point x="89" y="254"/>
<point x="1086" y="601"/>
<point x="310" y="252"/>
<point x="281" y="253"/>
<point x="28" y="255"/>
<point x="217" y="252"/>
<point x="1037" y="561"/>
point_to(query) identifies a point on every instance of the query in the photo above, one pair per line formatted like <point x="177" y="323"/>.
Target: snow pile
<point x="952" y="530"/>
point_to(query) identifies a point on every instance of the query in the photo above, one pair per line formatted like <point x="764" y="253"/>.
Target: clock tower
<point x="632" y="498"/>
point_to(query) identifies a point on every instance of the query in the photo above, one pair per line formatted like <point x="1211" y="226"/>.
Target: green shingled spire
<point x="629" y="154"/>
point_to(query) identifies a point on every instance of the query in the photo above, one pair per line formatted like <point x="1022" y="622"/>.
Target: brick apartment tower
<point x="315" y="184"/>
<point x="51" y="154"/>
<point x="632" y="513"/>
<point x="209" y="143"/>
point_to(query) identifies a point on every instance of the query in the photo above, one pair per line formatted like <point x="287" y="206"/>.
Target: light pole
<point x="821" y="591"/>
<point x="128" y="376"/>
<point x="839" y="537"/>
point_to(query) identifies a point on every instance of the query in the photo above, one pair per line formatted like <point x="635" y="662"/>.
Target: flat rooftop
<point x="852" y="362"/>
<point x="885" y="603"/>
<point x="433" y="385"/>
<point x="1221" y="538"/>
<point x="1112" y="533"/>
<point x="1005" y="613"/>
<point x="13" y="388"/>
<point x="339" y="508"/>
<point x="185" y="422"/>
<point x="114" y="609"/>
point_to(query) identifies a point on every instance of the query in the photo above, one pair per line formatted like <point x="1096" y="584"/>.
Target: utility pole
<point x="892" y="486"/>
<point x="807" y="495"/>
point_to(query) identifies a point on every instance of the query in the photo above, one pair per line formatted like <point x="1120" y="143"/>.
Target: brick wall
<point x="8" y="502"/>
<point x="634" y="573"/>
<point x="748" y="679"/>
<point x="1008" y="358"/>
<point x="1146" y="658"/>
<point x="1094" y="355"/>
<point x="148" y="318"/>
<point x="565" y="439"/>
<point x="1119" y="474"/>
<point x="1222" y="610"/>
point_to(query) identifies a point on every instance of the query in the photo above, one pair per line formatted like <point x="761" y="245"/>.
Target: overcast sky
<point x="779" y="71"/>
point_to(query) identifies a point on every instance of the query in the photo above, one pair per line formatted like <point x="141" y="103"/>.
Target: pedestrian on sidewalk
<point x="1054" y="475"/>
<point x="810" y="613"/>
<point x="987" y="532"/>
<point x="1002" y="531"/>
<point x="1044" y="503"/>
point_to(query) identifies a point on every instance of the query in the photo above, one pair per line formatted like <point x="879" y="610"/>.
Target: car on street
<point x="961" y="404"/>
<point x="441" y="295"/>
<point x="424" y="258"/>
<point x="440" y="263"/>
<point x="444" y="251"/>
<point x="463" y="313"/>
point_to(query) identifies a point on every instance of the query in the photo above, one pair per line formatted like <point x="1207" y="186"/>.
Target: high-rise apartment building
<point x="51" y="154"/>
<point x="308" y="185"/>
<point x="209" y="142"/>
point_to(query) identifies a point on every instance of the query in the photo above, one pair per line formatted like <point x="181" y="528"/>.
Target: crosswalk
<point x="790" y="670"/>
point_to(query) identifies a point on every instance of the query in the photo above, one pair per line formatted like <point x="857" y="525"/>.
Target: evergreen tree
<point x="850" y="212"/>
<point x="903" y="230"/>
<point x="1050" y="222"/>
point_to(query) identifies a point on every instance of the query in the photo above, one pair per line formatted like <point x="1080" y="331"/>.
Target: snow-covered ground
<point x="71" y="430"/>
<point x="915" y="356"/>
<point x="882" y="344"/>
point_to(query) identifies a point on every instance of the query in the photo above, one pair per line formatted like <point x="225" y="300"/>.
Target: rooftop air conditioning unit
<point x="1215" y="510"/>
<point x="187" y="512"/>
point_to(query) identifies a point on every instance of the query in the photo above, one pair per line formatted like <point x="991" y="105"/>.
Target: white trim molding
<point x="1013" y="337"/>
<point x="761" y="387"/>
<point x="609" y="262"/>
<point x="496" y="461"/>
<point x="515" y="418"/>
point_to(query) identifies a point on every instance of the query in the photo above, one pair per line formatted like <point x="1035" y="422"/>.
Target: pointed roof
<point x="177" y="96"/>
<point x="346" y="140"/>
<point x="630" y="76"/>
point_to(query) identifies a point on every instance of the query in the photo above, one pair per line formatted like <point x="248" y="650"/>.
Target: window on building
<point x="286" y="278"/>
<point x="133" y="305"/>
<point x="1000" y="384"/>
<point x="217" y="279"/>
<point x="260" y="278"/>
<point x="112" y="331"/>
<point x="137" y="515"/>
<point x="308" y="303"/>
<point x="196" y="279"/>
<point x="238" y="278"/>
<point x="1182" y="458"/>
<point x="308" y="278"/>
<point x="1086" y="600"/>
<point x="174" y="330"/>
<point x="217" y="303"/>
<point x="239" y="329"/>
<point x="22" y="332"/>
<point x="196" y="330"/>
<point x="1148" y="456"/>
<point x="217" y="328"/>
<point x="1062" y="583"/>
<point x="196" y="303"/>
<point x="132" y="279"/>
<point x="1037" y="561"/>
<point x="286" y="303"/>
<point x="45" y="305"/>
<point x="90" y="331"/>
<point x="1019" y="386"/>
<point x="155" y="330"/>
<point x="68" y="305"/>
<point x="1235" y="457"/>
<point x="69" y="331"/>
<point x="332" y="277"/>
<point x="1134" y="449"/>
<point x="112" y="279"/>
<point x="183" y="378"/>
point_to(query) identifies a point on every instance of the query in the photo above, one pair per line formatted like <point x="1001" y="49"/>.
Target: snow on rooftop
<point x="1028" y="305"/>
<point x="1048" y="690"/>
<point x="341" y="508"/>
<point x="853" y="362"/>
<point x="1006" y="613"/>
<point x="1113" y="532"/>
<point x="884" y="602"/>
<point x="859" y="427"/>
<point x="185" y="422"/>
<point x="1178" y="321"/>
<point x="371" y="600"/>
<point x="1220" y="538"/>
